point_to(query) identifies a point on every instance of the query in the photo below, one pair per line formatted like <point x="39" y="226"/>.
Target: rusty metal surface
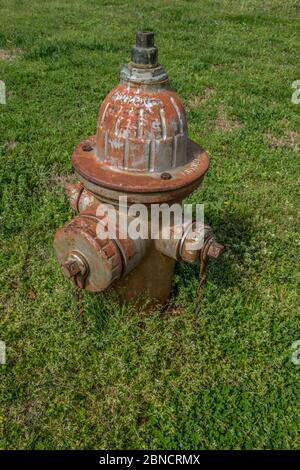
<point x="142" y="130"/>
<point x="80" y="198"/>
<point x="151" y="280"/>
<point x="169" y="247"/>
<point x="190" y="245"/>
<point x="76" y="268"/>
<point x="215" y="250"/>
<point x="132" y="251"/>
<point x="112" y="195"/>
<point x="141" y="149"/>
<point x="102" y="174"/>
<point x="141" y="144"/>
<point x="102" y="256"/>
<point x="106" y="259"/>
<point x="192" y="251"/>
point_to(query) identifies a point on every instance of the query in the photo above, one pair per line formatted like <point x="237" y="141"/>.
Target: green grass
<point x="117" y="378"/>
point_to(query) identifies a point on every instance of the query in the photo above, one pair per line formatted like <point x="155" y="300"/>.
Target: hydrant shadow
<point x="236" y="232"/>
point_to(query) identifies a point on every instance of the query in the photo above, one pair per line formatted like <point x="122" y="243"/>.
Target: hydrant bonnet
<point x="141" y="133"/>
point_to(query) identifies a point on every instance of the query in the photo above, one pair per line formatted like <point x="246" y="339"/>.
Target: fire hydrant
<point x="140" y="153"/>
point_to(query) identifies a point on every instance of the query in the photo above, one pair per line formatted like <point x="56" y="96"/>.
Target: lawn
<point x="114" y="377"/>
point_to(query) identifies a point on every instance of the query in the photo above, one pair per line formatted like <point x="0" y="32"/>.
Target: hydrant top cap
<point x="144" y="53"/>
<point x="145" y="39"/>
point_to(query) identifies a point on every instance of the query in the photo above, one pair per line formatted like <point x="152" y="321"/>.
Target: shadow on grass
<point x="236" y="232"/>
<point x="99" y="306"/>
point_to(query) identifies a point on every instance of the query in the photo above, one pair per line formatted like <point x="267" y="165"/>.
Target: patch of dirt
<point x="216" y="66"/>
<point x="62" y="180"/>
<point x="224" y="123"/>
<point x="170" y="310"/>
<point x="31" y="294"/>
<point x="6" y="54"/>
<point x="196" y="101"/>
<point x="57" y="179"/>
<point x="290" y="139"/>
<point x="10" y="145"/>
<point x="30" y="414"/>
